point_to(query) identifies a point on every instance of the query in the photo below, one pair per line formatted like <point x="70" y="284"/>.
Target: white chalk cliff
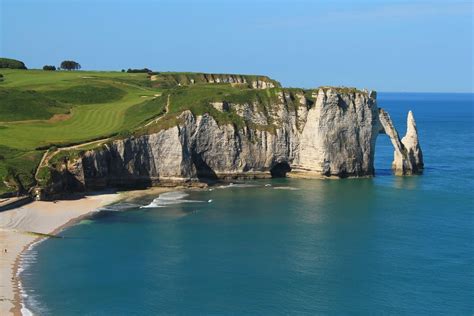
<point x="407" y="157"/>
<point x="332" y="136"/>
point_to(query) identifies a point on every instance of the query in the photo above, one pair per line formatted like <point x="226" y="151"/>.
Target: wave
<point x="237" y="185"/>
<point x="25" y="311"/>
<point x="170" y="198"/>
<point x="119" y="207"/>
<point x="286" y="188"/>
<point x="27" y="258"/>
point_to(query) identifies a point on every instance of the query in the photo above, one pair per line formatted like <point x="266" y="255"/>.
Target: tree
<point x="49" y="67"/>
<point x="144" y="70"/>
<point x="11" y="63"/>
<point x="70" y="65"/>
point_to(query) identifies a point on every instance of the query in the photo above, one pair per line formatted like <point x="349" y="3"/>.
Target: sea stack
<point x="412" y="145"/>
<point x="407" y="156"/>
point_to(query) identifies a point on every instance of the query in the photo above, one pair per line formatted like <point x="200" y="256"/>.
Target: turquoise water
<point x="385" y="245"/>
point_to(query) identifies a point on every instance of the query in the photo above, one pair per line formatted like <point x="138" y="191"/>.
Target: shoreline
<point x="19" y="225"/>
<point x="18" y="303"/>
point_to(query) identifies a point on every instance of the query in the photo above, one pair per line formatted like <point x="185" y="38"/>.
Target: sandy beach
<point x="17" y="228"/>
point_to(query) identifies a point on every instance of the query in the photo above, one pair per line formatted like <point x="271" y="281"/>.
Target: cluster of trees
<point x="70" y="65"/>
<point x="66" y="65"/>
<point x="49" y="67"/>
<point x="11" y="63"/>
<point x="144" y="70"/>
<point x="16" y="64"/>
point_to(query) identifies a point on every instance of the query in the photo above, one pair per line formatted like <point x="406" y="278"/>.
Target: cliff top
<point x="172" y="79"/>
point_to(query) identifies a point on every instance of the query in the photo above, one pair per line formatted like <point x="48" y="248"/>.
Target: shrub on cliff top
<point x="11" y="63"/>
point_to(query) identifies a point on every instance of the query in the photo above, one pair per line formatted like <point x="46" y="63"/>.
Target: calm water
<point x="385" y="245"/>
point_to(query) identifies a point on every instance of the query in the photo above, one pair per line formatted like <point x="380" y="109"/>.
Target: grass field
<point x="93" y="104"/>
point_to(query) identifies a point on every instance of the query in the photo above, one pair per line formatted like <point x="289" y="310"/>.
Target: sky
<point x="404" y="46"/>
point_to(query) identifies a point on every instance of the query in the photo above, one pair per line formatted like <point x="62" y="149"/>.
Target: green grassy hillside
<point x="92" y="104"/>
<point x="18" y="105"/>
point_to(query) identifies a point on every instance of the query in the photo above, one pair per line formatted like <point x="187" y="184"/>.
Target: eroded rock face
<point x="339" y="135"/>
<point x="333" y="136"/>
<point x="407" y="157"/>
<point x="412" y="145"/>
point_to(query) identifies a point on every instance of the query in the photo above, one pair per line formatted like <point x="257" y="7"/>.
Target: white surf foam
<point x="286" y="188"/>
<point x="119" y="207"/>
<point x="27" y="258"/>
<point x="25" y="311"/>
<point x="170" y="198"/>
<point x="237" y="185"/>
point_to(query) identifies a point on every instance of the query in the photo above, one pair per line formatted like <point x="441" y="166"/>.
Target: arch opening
<point x="280" y="169"/>
<point x="383" y="155"/>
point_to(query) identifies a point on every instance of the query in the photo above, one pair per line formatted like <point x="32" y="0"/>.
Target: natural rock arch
<point x="407" y="156"/>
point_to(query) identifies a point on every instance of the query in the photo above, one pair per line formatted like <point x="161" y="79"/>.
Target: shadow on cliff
<point x="204" y="173"/>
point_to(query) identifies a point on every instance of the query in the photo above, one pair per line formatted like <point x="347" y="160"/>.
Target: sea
<point x="382" y="245"/>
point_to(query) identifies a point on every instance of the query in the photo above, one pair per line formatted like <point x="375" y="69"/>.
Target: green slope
<point x="97" y="104"/>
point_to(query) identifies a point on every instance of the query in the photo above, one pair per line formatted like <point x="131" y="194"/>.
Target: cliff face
<point x="339" y="136"/>
<point x="334" y="135"/>
<point x="187" y="79"/>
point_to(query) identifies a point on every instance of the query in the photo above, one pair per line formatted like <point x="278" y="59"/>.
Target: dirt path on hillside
<point x="48" y="155"/>
<point x="167" y="109"/>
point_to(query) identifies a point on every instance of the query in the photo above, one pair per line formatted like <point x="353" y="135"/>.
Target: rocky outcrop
<point x="333" y="135"/>
<point x="407" y="157"/>
<point x="256" y="82"/>
<point x="186" y="79"/>
<point x="339" y="135"/>
<point x="412" y="145"/>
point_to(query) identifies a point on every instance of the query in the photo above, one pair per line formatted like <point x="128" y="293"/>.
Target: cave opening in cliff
<point x="280" y="169"/>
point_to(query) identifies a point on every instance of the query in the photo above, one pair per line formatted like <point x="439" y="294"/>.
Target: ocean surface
<point x="387" y="245"/>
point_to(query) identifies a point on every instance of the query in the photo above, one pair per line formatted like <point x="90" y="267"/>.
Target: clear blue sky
<point x="383" y="45"/>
